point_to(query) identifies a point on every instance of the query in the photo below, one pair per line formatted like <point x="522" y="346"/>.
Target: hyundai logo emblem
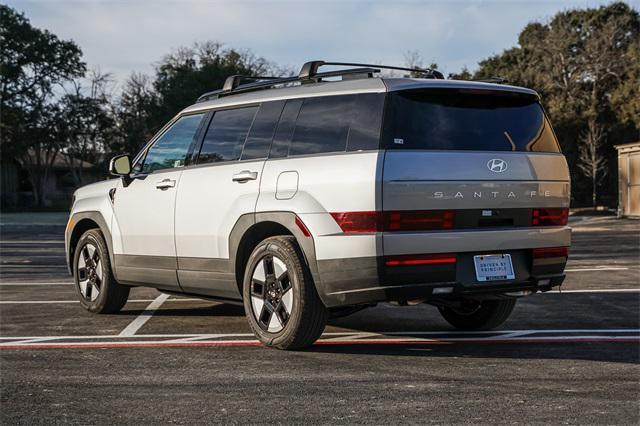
<point x="497" y="165"/>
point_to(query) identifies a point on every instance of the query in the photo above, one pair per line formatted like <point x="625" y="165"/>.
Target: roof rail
<point x="308" y="74"/>
<point x="309" y="70"/>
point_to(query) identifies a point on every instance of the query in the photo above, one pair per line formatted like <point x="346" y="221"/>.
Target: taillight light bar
<point x="550" y="217"/>
<point x="405" y="220"/>
<point x="421" y="259"/>
<point x="549" y="252"/>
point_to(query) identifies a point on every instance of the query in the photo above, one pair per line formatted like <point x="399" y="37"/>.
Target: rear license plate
<point x="493" y="267"/>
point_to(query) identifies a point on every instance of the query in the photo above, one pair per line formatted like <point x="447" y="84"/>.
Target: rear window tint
<point x="331" y="124"/>
<point x="226" y="135"/>
<point x="451" y="120"/>
<point x="264" y="126"/>
<point x="323" y="125"/>
<point x="282" y="138"/>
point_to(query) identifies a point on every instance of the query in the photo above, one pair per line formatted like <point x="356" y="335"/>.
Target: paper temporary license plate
<point x="493" y="267"/>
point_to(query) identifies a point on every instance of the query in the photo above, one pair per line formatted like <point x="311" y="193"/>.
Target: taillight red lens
<point x="550" y="217"/>
<point x="408" y="220"/>
<point x="423" y="259"/>
<point x="420" y="220"/>
<point x="548" y="252"/>
<point x="358" y="221"/>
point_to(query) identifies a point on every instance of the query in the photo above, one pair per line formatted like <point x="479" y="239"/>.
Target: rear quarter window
<point x="455" y="120"/>
<point x="329" y="124"/>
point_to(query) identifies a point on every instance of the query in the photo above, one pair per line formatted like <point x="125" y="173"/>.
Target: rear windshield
<point x="456" y="120"/>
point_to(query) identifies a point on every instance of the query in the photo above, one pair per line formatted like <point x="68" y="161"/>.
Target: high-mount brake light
<point x="549" y="252"/>
<point x="550" y="217"/>
<point x="408" y="220"/>
<point x="421" y="259"/>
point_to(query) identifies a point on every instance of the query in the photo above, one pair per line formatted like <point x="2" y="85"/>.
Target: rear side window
<point x="264" y="126"/>
<point x="329" y="124"/>
<point x="323" y="125"/>
<point x="456" y="120"/>
<point x="226" y="135"/>
<point x="282" y="138"/>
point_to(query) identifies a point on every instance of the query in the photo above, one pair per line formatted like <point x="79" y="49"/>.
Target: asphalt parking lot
<point x="563" y="357"/>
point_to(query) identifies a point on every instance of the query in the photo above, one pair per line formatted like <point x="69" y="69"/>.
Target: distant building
<point x="16" y="191"/>
<point x="629" y="179"/>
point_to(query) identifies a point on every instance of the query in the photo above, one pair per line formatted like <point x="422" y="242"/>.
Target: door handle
<point x="245" y="176"/>
<point x="165" y="184"/>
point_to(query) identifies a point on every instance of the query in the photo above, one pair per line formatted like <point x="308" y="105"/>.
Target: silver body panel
<point x="188" y="237"/>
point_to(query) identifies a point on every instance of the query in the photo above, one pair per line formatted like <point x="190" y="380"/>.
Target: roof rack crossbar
<point x="308" y="73"/>
<point x="232" y="83"/>
<point x="310" y="69"/>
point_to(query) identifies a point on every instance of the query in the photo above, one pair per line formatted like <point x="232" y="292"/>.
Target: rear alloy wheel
<point x="97" y="290"/>
<point x="280" y="299"/>
<point x="271" y="294"/>
<point x="478" y="315"/>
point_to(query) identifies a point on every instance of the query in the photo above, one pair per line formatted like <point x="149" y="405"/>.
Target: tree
<point x="585" y="65"/>
<point x="590" y="160"/>
<point x="189" y="72"/>
<point x="87" y="123"/>
<point x="33" y="64"/>
<point x="134" y="113"/>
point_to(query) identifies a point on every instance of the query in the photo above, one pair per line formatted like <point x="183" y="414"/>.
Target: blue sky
<point x="125" y="36"/>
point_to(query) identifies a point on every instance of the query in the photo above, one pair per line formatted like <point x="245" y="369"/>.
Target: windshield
<point x="467" y="120"/>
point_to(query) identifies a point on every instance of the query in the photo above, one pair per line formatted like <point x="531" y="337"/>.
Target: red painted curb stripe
<point x="318" y="343"/>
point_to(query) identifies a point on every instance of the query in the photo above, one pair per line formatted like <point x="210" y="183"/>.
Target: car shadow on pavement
<point x="626" y="353"/>
<point x="217" y="310"/>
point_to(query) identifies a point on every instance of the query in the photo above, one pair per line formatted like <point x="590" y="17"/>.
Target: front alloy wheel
<point x="97" y="289"/>
<point x="89" y="272"/>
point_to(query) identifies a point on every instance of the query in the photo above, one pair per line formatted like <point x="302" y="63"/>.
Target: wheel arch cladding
<point x="251" y="229"/>
<point x="82" y="222"/>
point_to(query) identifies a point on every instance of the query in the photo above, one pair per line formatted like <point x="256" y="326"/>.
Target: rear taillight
<point x="423" y="259"/>
<point x="358" y="221"/>
<point x="408" y="220"/>
<point x="550" y="217"/>
<point x="549" y="252"/>
<point x="419" y="220"/>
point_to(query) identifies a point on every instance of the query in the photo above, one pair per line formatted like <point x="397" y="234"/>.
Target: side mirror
<point x="120" y="165"/>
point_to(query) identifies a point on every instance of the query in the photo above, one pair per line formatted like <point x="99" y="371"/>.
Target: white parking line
<point x="35" y="302"/>
<point x="35" y="284"/>
<point x="406" y="337"/>
<point x="352" y="334"/>
<point x="612" y="290"/>
<point x="606" y="268"/>
<point x="137" y="323"/>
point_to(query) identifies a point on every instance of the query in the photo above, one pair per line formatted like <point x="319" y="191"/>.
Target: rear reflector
<point x="406" y="220"/>
<point x="550" y="217"/>
<point x="300" y="224"/>
<point x="545" y="253"/>
<point x="423" y="259"/>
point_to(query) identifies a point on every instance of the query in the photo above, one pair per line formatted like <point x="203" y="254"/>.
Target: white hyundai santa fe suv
<point x="314" y="196"/>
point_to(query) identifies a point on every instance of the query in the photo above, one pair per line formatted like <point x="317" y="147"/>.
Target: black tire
<point x="93" y="273"/>
<point x="478" y="315"/>
<point x="307" y="318"/>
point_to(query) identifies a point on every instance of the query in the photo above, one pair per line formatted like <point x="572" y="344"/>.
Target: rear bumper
<point x="368" y="280"/>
